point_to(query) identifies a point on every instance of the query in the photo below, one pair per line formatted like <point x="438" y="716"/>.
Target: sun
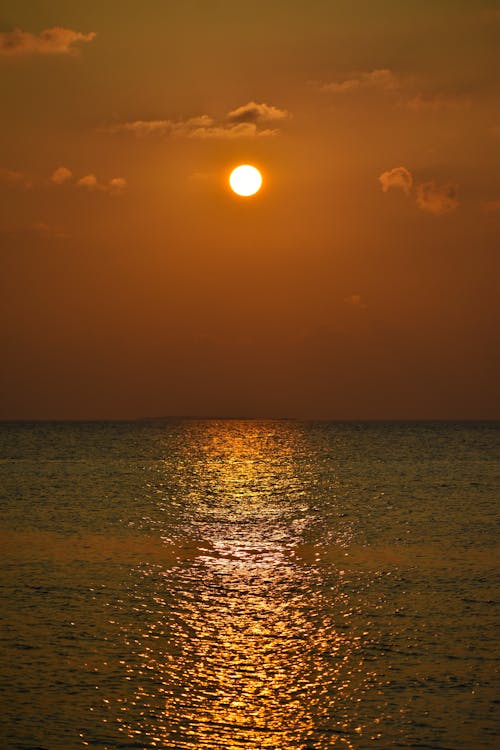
<point x="245" y="180"/>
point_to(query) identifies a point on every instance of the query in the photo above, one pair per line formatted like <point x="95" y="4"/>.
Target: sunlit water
<point x="249" y="585"/>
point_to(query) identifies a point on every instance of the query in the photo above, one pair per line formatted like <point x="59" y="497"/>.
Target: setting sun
<point x="245" y="180"/>
<point x="250" y="403"/>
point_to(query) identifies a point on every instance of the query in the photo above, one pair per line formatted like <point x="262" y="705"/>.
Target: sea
<point x="249" y="584"/>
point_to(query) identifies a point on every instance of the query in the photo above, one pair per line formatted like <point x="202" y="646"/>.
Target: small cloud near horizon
<point x="56" y="40"/>
<point x="242" y="122"/>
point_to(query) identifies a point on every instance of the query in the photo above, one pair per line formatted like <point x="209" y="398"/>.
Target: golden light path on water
<point x="246" y="642"/>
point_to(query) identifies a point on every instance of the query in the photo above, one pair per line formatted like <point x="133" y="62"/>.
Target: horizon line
<point x="225" y="418"/>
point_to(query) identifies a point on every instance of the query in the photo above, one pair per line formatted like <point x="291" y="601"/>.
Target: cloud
<point x="116" y="186"/>
<point x="54" y="41"/>
<point x="380" y="79"/>
<point x="242" y="122"/>
<point x="61" y="175"/>
<point x="435" y="102"/>
<point x="89" y="182"/>
<point x="432" y="198"/>
<point x="399" y="177"/>
<point x="141" y="128"/>
<point x="404" y="89"/>
<point x="14" y="178"/>
<point x="239" y="130"/>
<point x="437" y="199"/>
<point x="492" y="207"/>
<point x="256" y="113"/>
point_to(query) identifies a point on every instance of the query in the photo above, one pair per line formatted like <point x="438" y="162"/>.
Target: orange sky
<point x="361" y="282"/>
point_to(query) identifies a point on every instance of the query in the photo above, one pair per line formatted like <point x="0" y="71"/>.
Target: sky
<point x="361" y="282"/>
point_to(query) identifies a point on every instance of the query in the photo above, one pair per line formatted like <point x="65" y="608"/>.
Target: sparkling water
<point x="249" y="584"/>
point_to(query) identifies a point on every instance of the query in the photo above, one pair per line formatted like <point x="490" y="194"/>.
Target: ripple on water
<point x="240" y="585"/>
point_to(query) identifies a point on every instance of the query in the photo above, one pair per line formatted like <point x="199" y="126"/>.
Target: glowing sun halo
<point x="245" y="180"/>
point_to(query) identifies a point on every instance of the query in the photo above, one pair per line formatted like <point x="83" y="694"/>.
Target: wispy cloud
<point x="54" y="41"/>
<point x="437" y="199"/>
<point x="14" y="178"/>
<point x="399" y="178"/>
<point x="404" y="90"/>
<point x="381" y="79"/>
<point x="430" y="197"/>
<point x="437" y="101"/>
<point x="238" y="130"/>
<point x="243" y="122"/>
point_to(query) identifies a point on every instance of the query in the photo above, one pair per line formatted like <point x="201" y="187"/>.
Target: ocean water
<point x="249" y="584"/>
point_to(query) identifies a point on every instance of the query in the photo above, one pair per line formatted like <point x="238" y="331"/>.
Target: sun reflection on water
<point x="245" y="644"/>
<point x="192" y="585"/>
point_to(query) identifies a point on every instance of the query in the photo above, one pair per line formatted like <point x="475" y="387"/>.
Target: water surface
<point x="205" y="584"/>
